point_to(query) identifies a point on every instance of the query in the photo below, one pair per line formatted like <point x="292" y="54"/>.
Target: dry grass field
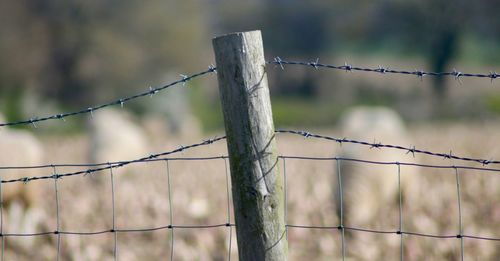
<point x="198" y="195"/>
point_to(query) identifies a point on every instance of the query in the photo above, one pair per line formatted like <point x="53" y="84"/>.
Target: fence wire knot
<point x="381" y="69"/>
<point x="212" y="68"/>
<point x="278" y="61"/>
<point x="91" y="110"/>
<point x="25" y="180"/>
<point x="60" y="116"/>
<point x="420" y="74"/>
<point x="411" y="150"/>
<point x="340" y="141"/>
<point x="376" y="145"/>
<point x="152" y="91"/>
<point x="485" y="162"/>
<point x="315" y="63"/>
<point x="457" y="75"/>
<point x="210" y="141"/>
<point x="32" y="121"/>
<point x="493" y="75"/>
<point x="306" y="134"/>
<point x="88" y="173"/>
<point x="185" y="78"/>
<point x="347" y="67"/>
<point x="448" y="156"/>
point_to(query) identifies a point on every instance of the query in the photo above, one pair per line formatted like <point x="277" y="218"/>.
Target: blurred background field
<point x="58" y="56"/>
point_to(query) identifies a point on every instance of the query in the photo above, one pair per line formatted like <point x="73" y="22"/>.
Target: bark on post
<point x="257" y="187"/>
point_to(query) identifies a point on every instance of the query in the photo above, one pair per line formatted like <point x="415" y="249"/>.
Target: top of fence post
<point x="256" y="184"/>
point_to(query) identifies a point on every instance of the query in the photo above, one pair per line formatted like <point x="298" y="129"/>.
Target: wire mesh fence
<point x="328" y="212"/>
<point x="335" y="223"/>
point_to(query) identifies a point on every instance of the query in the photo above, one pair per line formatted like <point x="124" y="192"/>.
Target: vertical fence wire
<point x="341" y="226"/>
<point x="171" y="226"/>
<point x="115" y="243"/>
<point x="285" y="198"/>
<point x="401" y="249"/>
<point x="58" y="224"/>
<point x="228" y="220"/>
<point x="460" y="226"/>
<point x="1" y="219"/>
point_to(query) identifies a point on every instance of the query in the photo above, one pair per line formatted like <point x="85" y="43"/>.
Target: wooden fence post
<point x="257" y="187"/>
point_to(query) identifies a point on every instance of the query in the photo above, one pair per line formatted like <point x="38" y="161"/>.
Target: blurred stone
<point x="370" y="191"/>
<point x="20" y="201"/>
<point x="114" y="136"/>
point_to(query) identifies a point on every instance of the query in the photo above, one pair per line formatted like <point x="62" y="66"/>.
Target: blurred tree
<point x="81" y="52"/>
<point x="435" y="25"/>
<point x="431" y="28"/>
<point x="289" y="27"/>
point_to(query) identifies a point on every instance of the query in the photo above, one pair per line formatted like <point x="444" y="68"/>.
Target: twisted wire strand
<point x="379" y="145"/>
<point x="151" y="158"/>
<point x="90" y="110"/>
<point x="158" y="157"/>
<point x="382" y="70"/>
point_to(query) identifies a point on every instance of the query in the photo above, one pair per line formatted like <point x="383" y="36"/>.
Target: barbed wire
<point x="277" y="61"/>
<point x="382" y="70"/>
<point x="391" y="163"/>
<point x="90" y="110"/>
<point x="156" y="157"/>
<point x="379" y="145"/>
<point x="228" y="224"/>
<point x="110" y="165"/>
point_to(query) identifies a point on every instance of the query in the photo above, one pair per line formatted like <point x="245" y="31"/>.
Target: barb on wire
<point x="105" y="166"/>
<point x="397" y="163"/>
<point x="91" y="110"/>
<point x="380" y="69"/>
<point x="96" y="167"/>
<point x="379" y="145"/>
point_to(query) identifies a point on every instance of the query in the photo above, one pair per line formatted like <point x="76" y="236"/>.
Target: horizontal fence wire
<point x="379" y="145"/>
<point x="159" y="157"/>
<point x="90" y="110"/>
<point x="376" y="231"/>
<point x="163" y="156"/>
<point x="382" y="70"/>
<point x="124" y="230"/>
<point x="288" y="225"/>
<point x="150" y="229"/>
<point x="277" y="61"/>
<point x="401" y="231"/>
<point x="108" y="165"/>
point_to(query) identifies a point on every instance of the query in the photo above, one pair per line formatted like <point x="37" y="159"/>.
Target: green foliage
<point x="300" y="112"/>
<point x="493" y="103"/>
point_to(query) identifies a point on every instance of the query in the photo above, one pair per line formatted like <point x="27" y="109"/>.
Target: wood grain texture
<point x="257" y="187"/>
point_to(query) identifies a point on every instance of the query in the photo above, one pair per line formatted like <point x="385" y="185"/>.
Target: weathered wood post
<point x="257" y="187"/>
